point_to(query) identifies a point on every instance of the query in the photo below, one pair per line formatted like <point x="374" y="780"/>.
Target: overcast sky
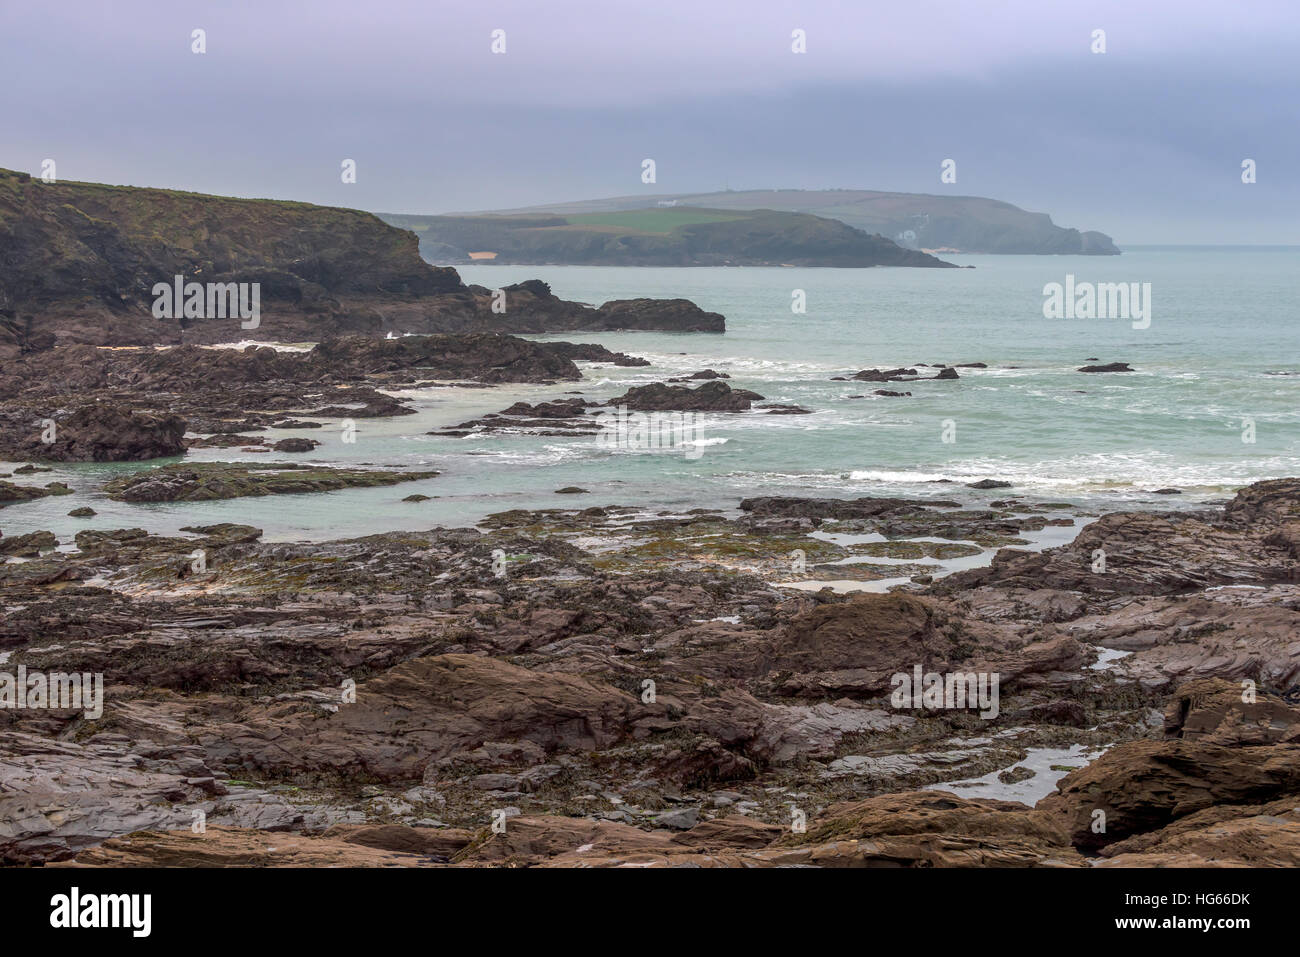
<point x="1144" y="142"/>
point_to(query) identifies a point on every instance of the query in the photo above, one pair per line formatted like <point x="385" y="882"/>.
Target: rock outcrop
<point x="148" y="399"/>
<point x="86" y="262"/>
<point x="103" y="432"/>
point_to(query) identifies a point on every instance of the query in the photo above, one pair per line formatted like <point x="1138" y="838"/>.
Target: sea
<point x="1213" y="403"/>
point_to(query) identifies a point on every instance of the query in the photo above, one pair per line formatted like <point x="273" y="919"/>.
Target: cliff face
<point x="98" y="251"/>
<point x="676" y="236"/>
<point x="79" y="263"/>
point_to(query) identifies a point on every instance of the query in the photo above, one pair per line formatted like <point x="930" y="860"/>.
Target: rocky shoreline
<point x="80" y="403"/>
<point x="610" y="687"/>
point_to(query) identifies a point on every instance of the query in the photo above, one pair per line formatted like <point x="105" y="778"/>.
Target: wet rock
<point x="226" y="533"/>
<point x="677" y="315"/>
<point x="1262" y="835"/>
<point x="711" y="397"/>
<point x="855" y="647"/>
<point x="11" y="493"/>
<point x="206" y="481"/>
<point x="224" y="440"/>
<point x="295" y="445"/>
<point x="821" y="508"/>
<point x="679" y="820"/>
<point x="29" y="545"/>
<point x="1215" y="711"/>
<point x="1145" y="785"/>
<point x="705" y="374"/>
<point x="1108" y="367"/>
<point x="107" y="432"/>
<point x="58" y="798"/>
<point x="441" y="705"/>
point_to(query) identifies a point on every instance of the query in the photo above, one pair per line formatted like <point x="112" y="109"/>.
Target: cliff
<point x="79" y="262"/>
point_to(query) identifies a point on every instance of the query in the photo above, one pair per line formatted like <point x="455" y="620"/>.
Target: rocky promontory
<point x="84" y="263"/>
<point x="81" y="403"/>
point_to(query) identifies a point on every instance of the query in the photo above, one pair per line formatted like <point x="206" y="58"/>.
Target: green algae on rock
<point x="201" y="482"/>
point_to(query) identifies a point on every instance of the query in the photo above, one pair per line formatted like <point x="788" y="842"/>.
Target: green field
<point x="657" y="220"/>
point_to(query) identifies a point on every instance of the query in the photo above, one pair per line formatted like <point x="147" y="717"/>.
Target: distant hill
<point x="678" y="235"/>
<point x="969" y="224"/>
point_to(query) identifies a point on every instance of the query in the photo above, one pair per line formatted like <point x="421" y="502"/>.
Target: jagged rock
<point x="1147" y="784"/>
<point x="1266" y="835"/>
<point x="59" y="797"/>
<point x="711" y="397"/>
<point x="1215" y="711"/>
<point x="105" y="432"/>
<point x="29" y="545"/>
<point x="440" y="705"/>
<point x="295" y="445"/>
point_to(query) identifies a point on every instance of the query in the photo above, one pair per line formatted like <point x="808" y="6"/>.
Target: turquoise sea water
<point x="1223" y="320"/>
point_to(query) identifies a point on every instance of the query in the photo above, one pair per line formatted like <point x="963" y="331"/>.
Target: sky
<point x="1144" y="142"/>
